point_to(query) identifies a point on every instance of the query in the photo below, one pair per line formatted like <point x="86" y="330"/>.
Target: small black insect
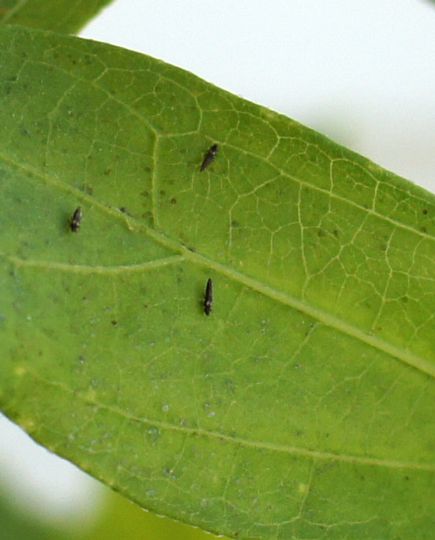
<point x="208" y="297"/>
<point x="76" y="220"/>
<point x="209" y="157"/>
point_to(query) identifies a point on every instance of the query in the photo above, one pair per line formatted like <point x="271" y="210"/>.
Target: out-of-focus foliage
<point x="17" y="525"/>
<point x="116" y="519"/>
<point x="122" y="519"/>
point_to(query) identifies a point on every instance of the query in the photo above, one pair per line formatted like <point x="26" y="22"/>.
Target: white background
<point x="360" y="71"/>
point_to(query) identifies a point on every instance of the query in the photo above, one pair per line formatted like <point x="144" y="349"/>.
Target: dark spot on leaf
<point x="425" y="211"/>
<point x="173" y="200"/>
<point x="169" y="473"/>
<point x="114" y="323"/>
<point x="145" y="194"/>
<point x="107" y="172"/>
<point x="162" y="192"/>
<point x="406" y="478"/>
<point x="321" y="232"/>
<point x="336" y="233"/>
<point x="235" y="223"/>
<point x="423" y="229"/>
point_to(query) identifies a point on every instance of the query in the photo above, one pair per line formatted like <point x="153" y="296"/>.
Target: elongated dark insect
<point x="209" y="157"/>
<point x="76" y="220"/>
<point x="208" y="297"/>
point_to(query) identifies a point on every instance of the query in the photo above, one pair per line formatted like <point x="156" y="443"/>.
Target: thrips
<point x="209" y="157"/>
<point x="76" y="220"/>
<point x="208" y="297"/>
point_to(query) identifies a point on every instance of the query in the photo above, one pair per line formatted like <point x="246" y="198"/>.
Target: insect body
<point x="76" y="220"/>
<point x="208" y="297"/>
<point x="209" y="157"/>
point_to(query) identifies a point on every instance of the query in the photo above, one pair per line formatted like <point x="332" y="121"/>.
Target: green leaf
<point x="302" y="407"/>
<point x="58" y="15"/>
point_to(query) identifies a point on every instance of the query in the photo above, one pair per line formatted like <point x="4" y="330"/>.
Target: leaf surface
<point x="59" y="15"/>
<point x="302" y="407"/>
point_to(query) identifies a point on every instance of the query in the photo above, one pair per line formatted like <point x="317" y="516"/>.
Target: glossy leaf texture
<point x="57" y="15"/>
<point x="302" y="407"/>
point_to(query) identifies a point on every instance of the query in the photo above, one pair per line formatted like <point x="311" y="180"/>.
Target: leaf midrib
<point x="231" y="439"/>
<point x="325" y="318"/>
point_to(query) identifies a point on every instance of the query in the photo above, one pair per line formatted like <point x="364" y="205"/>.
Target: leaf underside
<point x="302" y="407"/>
<point x="59" y="15"/>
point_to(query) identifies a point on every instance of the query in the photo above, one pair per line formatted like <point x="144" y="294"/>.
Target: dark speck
<point x="173" y="200"/>
<point x="425" y="211"/>
<point x="114" y="323"/>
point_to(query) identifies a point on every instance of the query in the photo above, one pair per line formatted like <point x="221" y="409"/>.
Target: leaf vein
<point x="404" y="355"/>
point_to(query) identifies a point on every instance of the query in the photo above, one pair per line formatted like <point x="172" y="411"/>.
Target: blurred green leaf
<point x="115" y="518"/>
<point x="57" y="15"/>
<point x="302" y="407"/>
<point x="16" y="525"/>
<point x="121" y="519"/>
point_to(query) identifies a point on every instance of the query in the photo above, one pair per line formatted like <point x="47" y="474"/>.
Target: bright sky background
<point x="362" y="72"/>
